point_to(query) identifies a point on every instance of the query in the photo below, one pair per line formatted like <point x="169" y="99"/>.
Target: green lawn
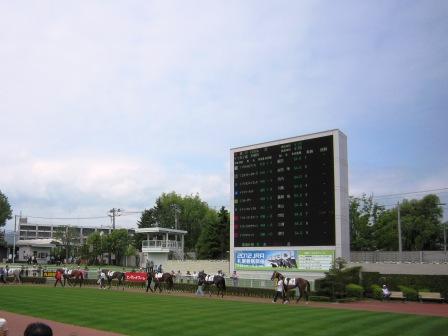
<point x="138" y="313"/>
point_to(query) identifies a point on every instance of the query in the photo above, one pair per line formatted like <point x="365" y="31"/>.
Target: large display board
<point x="289" y="205"/>
<point x="284" y="194"/>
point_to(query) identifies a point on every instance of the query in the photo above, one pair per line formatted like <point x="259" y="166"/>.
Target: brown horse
<point x="159" y="279"/>
<point x="120" y="276"/>
<point x="72" y="276"/>
<point x="289" y="284"/>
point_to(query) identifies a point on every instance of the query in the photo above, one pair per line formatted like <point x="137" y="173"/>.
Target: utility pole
<point x="14" y="243"/>
<point x="114" y="212"/>
<point x="176" y="209"/>
<point x="400" y="247"/>
<point x="444" y="230"/>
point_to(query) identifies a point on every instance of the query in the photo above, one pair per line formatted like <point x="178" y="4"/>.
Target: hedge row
<point x="407" y="283"/>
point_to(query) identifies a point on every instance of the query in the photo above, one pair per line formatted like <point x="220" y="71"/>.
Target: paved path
<point x="18" y="323"/>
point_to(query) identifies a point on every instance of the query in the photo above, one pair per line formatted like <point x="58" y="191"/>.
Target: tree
<point x="363" y="215"/>
<point x="130" y="251"/>
<point x="421" y="225"/>
<point x="191" y="216"/>
<point x="209" y="245"/>
<point x="223" y="232"/>
<point x="5" y="209"/>
<point x="337" y="278"/>
<point x="94" y="240"/>
<point x="68" y="237"/>
<point x="118" y="243"/>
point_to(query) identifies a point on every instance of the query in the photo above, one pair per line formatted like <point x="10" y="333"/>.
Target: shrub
<point x="410" y="293"/>
<point x="354" y="290"/>
<point x="377" y="293"/>
<point x="320" y="298"/>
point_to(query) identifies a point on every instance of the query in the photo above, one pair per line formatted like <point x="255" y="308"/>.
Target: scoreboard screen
<point x="284" y="194"/>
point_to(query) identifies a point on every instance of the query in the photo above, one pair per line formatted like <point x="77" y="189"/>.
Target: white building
<point x="162" y="244"/>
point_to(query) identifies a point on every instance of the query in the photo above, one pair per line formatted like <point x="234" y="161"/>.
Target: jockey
<point x="102" y="279"/>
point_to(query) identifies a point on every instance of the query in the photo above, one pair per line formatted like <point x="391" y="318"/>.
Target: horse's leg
<point x="149" y="287"/>
<point x="300" y="294"/>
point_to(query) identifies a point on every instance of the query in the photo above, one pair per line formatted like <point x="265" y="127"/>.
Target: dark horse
<point x="159" y="279"/>
<point x="302" y="284"/>
<point x="208" y="280"/>
<point x="120" y="276"/>
<point x="72" y="276"/>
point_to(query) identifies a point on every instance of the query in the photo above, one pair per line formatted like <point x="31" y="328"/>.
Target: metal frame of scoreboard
<point x="312" y="260"/>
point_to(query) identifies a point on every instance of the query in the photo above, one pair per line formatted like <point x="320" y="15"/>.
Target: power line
<point x="411" y="193"/>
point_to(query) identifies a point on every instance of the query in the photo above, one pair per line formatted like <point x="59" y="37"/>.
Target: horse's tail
<point x="307" y="290"/>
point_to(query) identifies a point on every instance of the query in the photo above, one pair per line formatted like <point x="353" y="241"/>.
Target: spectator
<point x="38" y="329"/>
<point x="234" y="278"/>
<point x="2" y="275"/>
<point x="386" y="292"/>
<point x="3" y="327"/>
<point x="159" y="269"/>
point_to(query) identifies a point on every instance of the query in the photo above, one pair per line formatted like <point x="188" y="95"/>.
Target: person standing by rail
<point x="58" y="277"/>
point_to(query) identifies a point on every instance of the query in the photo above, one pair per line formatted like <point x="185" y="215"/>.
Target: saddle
<point x="290" y="282"/>
<point x="159" y="275"/>
<point x="209" y="278"/>
<point x="110" y="273"/>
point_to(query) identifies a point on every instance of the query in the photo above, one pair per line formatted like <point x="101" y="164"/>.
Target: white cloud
<point x="108" y="104"/>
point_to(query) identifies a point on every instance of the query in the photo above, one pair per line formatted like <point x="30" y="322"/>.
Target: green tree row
<point x="373" y="227"/>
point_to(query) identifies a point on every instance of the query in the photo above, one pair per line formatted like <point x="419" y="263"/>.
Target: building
<point x="162" y="244"/>
<point x="38" y="239"/>
<point x="28" y="230"/>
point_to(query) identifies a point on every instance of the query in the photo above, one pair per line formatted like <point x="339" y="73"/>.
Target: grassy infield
<point x="137" y="313"/>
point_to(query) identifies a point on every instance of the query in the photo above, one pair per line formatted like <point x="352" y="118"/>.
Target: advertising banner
<point x="49" y="274"/>
<point x="287" y="260"/>
<point x="136" y="276"/>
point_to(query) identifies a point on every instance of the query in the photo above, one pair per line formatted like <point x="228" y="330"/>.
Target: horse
<point x="120" y="276"/>
<point x="159" y="279"/>
<point x="302" y="284"/>
<point x="72" y="275"/>
<point x="208" y="280"/>
<point x="16" y="273"/>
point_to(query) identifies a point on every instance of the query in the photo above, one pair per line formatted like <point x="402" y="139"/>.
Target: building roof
<point x="159" y="230"/>
<point x="38" y="242"/>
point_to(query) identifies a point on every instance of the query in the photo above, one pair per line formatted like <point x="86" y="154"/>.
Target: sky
<point x="109" y="104"/>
